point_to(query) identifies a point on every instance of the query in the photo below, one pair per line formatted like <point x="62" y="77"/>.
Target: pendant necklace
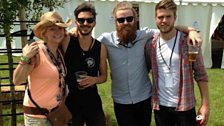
<point x="84" y="52"/>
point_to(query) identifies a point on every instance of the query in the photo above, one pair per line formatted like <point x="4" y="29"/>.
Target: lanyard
<point x="58" y="62"/>
<point x="170" y="63"/>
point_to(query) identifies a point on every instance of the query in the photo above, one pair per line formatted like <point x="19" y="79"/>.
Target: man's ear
<point x="175" y="17"/>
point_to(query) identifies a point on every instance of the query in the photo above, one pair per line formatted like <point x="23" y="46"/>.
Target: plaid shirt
<point x="186" y="96"/>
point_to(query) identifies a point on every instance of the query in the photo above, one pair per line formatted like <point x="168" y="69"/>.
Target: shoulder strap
<point x="29" y="94"/>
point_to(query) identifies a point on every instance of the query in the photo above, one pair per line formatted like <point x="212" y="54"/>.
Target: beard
<point x="85" y="30"/>
<point x="126" y="33"/>
<point x="165" y="29"/>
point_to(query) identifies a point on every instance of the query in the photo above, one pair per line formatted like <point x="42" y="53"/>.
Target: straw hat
<point x="49" y="19"/>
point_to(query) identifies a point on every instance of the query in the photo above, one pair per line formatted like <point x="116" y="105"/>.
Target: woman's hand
<point x="30" y="50"/>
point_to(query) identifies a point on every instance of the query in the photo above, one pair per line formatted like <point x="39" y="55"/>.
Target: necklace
<point x="91" y="44"/>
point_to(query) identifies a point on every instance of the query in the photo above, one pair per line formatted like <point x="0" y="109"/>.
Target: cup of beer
<point x="79" y="76"/>
<point x="192" y="52"/>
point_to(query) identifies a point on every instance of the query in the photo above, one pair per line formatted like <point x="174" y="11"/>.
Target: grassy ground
<point x="216" y="78"/>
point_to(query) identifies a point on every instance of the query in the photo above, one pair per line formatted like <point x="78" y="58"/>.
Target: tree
<point x="12" y="10"/>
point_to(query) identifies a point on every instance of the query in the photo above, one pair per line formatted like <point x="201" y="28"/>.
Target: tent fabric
<point x="208" y="18"/>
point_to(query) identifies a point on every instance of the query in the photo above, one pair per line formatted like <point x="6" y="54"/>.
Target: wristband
<point x="24" y="60"/>
<point x="22" y="63"/>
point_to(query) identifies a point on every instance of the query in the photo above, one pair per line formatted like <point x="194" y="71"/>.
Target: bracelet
<point x="24" y="60"/>
<point x="22" y="63"/>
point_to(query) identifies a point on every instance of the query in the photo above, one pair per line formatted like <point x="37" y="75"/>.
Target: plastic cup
<point x="192" y="52"/>
<point x="79" y="76"/>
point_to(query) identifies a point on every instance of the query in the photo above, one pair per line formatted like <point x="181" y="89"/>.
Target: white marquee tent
<point x="201" y="14"/>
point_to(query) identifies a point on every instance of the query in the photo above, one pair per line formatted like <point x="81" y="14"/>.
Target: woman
<point x="43" y="65"/>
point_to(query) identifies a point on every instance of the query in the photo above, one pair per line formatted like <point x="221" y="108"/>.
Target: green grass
<point x="216" y="78"/>
<point x="5" y="73"/>
<point x="216" y="94"/>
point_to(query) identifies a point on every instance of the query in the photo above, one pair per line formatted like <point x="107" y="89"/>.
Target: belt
<point x="37" y="111"/>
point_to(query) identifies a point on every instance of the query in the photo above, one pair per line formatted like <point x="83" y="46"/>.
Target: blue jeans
<point x="31" y="121"/>
<point x="168" y="116"/>
<point x="138" y="114"/>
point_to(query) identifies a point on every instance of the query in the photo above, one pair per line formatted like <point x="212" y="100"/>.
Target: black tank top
<point x="77" y="59"/>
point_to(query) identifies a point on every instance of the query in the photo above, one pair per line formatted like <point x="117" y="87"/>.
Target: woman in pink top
<point x="43" y="66"/>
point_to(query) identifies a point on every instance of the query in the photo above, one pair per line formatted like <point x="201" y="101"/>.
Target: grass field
<point x="216" y="80"/>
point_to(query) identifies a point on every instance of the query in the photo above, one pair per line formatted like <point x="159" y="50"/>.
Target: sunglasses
<point x="126" y="45"/>
<point x="122" y="19"/>
<point x="88" y="20"/>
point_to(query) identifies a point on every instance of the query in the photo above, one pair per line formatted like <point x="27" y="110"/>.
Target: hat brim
<point x="38" y="28"/>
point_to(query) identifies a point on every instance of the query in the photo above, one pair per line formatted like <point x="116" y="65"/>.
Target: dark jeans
<point x="138" y="114"/>
<point x="86" y="106"/>
<point x="167" y="116"/>
<point x="96" y="120"/>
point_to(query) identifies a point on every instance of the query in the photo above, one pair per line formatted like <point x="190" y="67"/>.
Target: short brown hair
<point x="168" y="5"/>
<point x="85" y="7"/>
<point x="124" y="6"/>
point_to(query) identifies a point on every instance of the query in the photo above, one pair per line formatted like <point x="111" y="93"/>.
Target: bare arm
<point x="22" y="71"/>
<point x="89" y="80"/>
<point x="65" y="43"/>
<point x="204" y="109"/>
<point x="193" y="35"/>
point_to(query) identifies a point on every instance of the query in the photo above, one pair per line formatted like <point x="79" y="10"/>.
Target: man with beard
<point x="131" y="87"/>
<point x="173" y="86"/>
<point x="84" y="53"/>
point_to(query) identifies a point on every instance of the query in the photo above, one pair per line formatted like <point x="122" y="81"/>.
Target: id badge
<point x="168" y="79"/>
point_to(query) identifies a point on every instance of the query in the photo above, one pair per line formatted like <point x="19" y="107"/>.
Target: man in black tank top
<point x="84" y="53"/>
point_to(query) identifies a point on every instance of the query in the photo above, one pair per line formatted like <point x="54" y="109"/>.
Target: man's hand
<point x="204" y="111"/>
<point x="194" y="38"/>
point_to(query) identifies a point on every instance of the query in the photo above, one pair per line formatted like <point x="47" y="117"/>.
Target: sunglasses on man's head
<point x="88" y="20"/>
<point x="122" y="19"/>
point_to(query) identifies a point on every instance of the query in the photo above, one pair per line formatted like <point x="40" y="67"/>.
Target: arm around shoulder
<point x="65" y="43"/>
<point x="193" y="34"/>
